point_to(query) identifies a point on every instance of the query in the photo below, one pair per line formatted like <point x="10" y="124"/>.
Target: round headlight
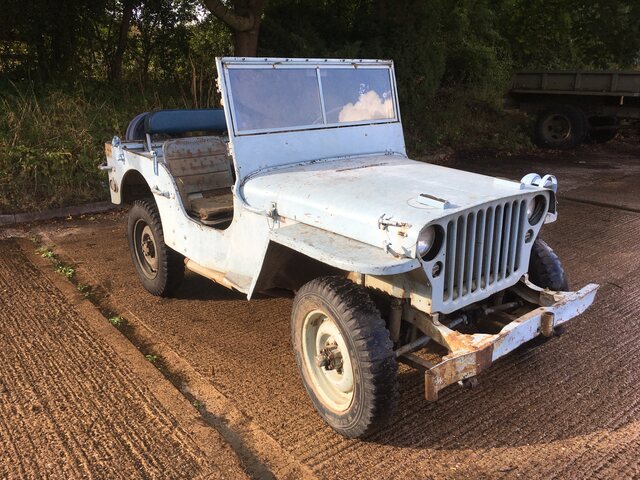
<point x="535" y="208"/>
<point x="426" y="240"/>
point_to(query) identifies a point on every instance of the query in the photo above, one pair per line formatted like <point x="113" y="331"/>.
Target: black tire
<point x="545" y="269"/>
<point x="370" y="353"/>
<point x="561" y="127"/>
<point x="160" y="269"/>
<point x="602" y="129"/>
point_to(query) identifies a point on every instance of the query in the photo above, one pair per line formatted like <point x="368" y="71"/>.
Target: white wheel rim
<point x="146" y="249"/>
<point x="320" y="335"/>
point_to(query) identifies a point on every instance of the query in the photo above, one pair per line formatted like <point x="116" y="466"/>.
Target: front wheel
<point x="545" y="269"/>
<point x="345" y="355"/>
<point x="159" y="268"/>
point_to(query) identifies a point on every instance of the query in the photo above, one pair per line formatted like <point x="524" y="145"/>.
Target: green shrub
<point x="53" y="141"/>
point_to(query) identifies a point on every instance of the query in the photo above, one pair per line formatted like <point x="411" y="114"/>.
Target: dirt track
<point x="75" y="400"/>
<point x="567" y="409"/>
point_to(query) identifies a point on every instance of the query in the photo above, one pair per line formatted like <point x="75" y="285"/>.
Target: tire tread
<point x="545" y="269"/>
<point x="170" y="262"/>
<point x="372" y="344"/>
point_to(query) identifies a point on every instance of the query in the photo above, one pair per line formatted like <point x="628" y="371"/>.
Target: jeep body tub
<point x="307" y="177"/>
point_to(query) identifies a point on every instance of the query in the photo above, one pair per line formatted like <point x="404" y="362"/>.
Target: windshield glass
<point x="266" y="98"/>
<point x="353" y="95"/>
<point x="282" y="98"/>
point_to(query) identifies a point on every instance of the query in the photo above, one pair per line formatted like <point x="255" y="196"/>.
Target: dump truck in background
<point x="573" y="107"/>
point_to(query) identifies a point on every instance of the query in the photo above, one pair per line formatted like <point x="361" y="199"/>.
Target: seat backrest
<point x="175" y="122"/>
<point x="198" y="164"/>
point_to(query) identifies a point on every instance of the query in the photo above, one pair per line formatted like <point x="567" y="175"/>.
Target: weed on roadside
<point x="84" y="289"/>
<point x="66" y="270"/>
<point x="62" y="268"/>
<point x="151" y="358"/>
<point x="117" y="321"/>
<point x="197" y="404"/>
<point x="46" y="252"/>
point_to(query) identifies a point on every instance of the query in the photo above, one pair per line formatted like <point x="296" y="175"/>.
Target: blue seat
<point x="176" y="122"/>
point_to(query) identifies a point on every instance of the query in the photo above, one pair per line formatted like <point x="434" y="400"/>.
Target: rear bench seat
<point x="201" y="167"/>
<point x="202" y="171"/>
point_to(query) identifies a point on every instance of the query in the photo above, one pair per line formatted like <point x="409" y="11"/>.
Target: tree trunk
<point x="115" y="69"/>
<point x="243" y="20"/>
<point x="245" y="43"/>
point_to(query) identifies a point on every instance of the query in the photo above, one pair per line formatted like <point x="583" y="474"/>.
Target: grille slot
<point x="483" y="248"/>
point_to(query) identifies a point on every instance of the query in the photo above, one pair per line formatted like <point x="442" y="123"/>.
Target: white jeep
<point x="302" y="185"/>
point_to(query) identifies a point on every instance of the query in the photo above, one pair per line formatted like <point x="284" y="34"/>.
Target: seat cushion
<point x="212" y="206"/>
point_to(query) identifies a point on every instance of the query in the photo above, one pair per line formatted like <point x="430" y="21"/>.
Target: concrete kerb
<point x="16" y="218"/>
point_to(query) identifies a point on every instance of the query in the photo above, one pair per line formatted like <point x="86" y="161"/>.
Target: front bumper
<point x="470" y="354"/>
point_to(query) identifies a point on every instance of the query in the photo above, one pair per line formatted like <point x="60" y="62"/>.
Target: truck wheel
<point x="545" y="269"/>
<point x="160" y="268"/>
<point x="561" y="127"/>
<point x="602" y="129"/>
<point x="345" y="355"/>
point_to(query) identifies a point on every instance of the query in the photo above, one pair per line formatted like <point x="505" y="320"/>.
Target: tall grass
<point x="51" y="142"/>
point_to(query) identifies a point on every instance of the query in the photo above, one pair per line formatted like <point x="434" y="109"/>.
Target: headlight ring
<point x="536" y="207"/>
<point x="429" y="242"/>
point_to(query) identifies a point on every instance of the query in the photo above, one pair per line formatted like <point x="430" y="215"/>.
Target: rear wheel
<point x="159" y="268"/>
<point x="344" y="355"/>
<point x="561" y="127"/>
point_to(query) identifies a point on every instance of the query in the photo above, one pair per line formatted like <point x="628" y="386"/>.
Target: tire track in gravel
<point x="71" y="406"/>
<point x="261" y="456"/>
<point x="126" y="437"/>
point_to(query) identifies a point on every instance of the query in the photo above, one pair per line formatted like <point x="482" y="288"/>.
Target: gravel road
<point x="569" y="408"/>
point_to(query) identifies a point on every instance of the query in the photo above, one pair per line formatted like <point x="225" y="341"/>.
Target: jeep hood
<point x="351" y="197"/>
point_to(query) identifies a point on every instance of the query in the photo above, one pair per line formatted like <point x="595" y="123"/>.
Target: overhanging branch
<point x="236" y="22"/>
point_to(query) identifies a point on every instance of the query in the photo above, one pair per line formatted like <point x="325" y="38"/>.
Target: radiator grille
<point x="483" y="248"/>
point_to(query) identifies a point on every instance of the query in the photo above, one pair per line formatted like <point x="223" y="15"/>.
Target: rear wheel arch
<point x="134" y="187"/>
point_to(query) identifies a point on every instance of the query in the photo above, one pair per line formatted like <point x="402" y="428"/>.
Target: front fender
<point x="341" y="252"/>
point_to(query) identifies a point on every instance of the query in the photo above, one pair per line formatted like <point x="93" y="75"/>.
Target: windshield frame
<point x="318" y="65"/>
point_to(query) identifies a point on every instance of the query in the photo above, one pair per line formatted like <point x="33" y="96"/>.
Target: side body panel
<point x="238" y="252"/>
<point x="220" y="250"/>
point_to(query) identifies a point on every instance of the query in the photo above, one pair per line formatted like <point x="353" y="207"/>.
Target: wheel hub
<point x="148" y="246"/>
<point x="557" y="127"/>
<point x="146" y="249"/>
<point x="330" y="357"/>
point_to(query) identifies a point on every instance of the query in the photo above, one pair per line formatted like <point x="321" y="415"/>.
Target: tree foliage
<point x="73" y="72"/>
<point x="434" y="42"/>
